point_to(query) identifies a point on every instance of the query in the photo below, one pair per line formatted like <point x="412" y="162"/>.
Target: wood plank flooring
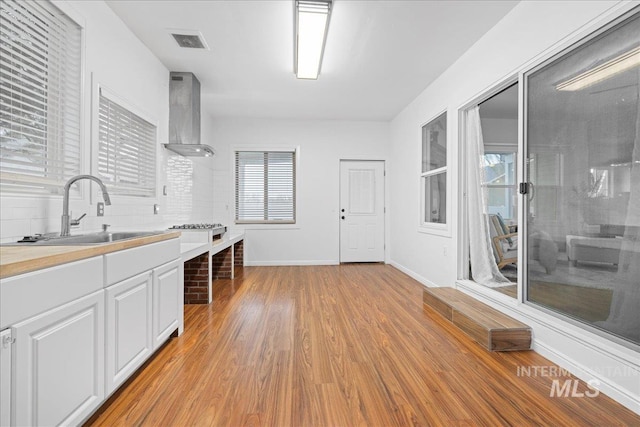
<point x="339" y="346"/>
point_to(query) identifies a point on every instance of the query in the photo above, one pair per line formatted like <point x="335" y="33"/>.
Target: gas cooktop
<point x="202" y="226"/>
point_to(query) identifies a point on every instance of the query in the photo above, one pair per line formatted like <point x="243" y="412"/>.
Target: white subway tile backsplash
<point x="26" y="213"/>
<point x="190" y="198"/>
<point x="38" y="225"/>
<point x="14" y="229"/>
<point x="6" y="211"/>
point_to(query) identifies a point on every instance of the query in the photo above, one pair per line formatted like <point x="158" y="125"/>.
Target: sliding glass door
<point x="582" y="140"/>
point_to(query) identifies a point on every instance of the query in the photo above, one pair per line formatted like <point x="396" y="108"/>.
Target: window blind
<point x="40" y="97"/>
<point x="126" y="150"/>
<point x="265" y="186"/>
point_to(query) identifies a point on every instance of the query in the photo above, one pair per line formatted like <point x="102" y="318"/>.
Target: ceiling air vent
<point x="189" y="39"/>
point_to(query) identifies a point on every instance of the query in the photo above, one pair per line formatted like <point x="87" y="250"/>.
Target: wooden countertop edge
<point x="36" y="258"/>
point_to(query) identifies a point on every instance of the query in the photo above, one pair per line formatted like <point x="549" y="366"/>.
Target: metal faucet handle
<point x="105" y="226"/>
<point x="76" y="222"/>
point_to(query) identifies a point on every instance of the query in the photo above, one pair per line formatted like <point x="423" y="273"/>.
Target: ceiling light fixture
<point x="312" y="22"/>
<point x="602" y="72"/>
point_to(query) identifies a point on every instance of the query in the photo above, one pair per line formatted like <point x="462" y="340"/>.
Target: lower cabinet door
<point x="166" y="301"/>
<point x="59" y="364"/>
<point x="129" y="335"/>
<point x="5" y="377"/>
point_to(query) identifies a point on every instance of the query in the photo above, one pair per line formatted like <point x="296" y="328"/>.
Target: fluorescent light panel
<point x="602" y="72"/>
<point x="312" y="19"/>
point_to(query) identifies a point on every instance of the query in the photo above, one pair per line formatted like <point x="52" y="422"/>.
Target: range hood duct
<point x="184" y="116"/>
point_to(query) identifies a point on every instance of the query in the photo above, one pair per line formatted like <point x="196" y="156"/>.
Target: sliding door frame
<point x="463" y="211"/>
<point x="591" y="33"/>
<point x="585" y="36"/>
<point x="575" y="348"/>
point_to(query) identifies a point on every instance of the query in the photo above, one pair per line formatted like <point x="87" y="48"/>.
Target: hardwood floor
<point x="339" y="346"/>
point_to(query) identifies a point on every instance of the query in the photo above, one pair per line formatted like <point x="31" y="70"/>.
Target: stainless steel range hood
<point x="184" y="116"/>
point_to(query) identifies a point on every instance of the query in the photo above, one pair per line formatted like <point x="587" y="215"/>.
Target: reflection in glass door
<point x="583" y="163"/>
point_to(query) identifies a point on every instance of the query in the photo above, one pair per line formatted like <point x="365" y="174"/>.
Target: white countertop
<point x="190" y="250"/>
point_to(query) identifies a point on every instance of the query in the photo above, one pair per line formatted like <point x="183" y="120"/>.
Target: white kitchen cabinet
<point x="58" y="366"/>
<point x="5" y="377"/>
<point x="167" y="297"/>
<point x="127" y="263"/>
<point x="29" y="294"/>
<point x="143" y="310"/>
<point x="75" y="332"/>
<point x="129" y="334"/>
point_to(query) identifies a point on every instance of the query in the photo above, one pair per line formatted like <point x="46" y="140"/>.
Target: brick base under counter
<point x="221" y="264"/>
<point x="196" y="280"/>
<point x="238" y="259"/>
<point x="226" y="264"/>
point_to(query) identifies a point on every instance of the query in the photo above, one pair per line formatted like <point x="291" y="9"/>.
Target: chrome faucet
<point x="64" y="229"/>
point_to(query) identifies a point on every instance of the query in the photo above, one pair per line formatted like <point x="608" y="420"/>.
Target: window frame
<point x="441" y="229"/>
<point x="462" y="175"/>
<point x="497" y="149"/>
<point x="102" y="90"/>
<point x="54" y="189"/>
<point x="265" y="224"/>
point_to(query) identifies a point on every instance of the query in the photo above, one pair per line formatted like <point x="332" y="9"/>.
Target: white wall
<point x="314" y="239"/>
<point x="115" y="58"/>
<point x="530" y="30"/>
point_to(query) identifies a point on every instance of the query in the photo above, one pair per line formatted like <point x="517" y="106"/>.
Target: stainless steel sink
<point x="88" y="239"/>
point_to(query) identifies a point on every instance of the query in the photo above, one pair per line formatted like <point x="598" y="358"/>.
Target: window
<point x="500" y="179"/>
<point x="126" y="150"/>
<point x="434" y="171"/>
<point x="40" y="97"/>
<point x="265" y="187"/>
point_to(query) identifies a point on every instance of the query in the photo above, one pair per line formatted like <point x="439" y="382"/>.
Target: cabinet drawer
<point x="129" y="262"/>
<point x="33" y="293"/>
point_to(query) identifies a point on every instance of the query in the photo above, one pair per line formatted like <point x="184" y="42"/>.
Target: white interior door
<point x="361" y="211"/>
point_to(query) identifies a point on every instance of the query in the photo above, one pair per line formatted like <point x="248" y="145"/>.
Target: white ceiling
<point x="379" y="54"/>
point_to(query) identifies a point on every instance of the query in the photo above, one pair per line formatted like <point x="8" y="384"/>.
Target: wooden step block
<point x="490" y="328"/>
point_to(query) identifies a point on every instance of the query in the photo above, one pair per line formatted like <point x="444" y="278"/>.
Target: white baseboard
<point x="413" y="275"/>
<point x="604" y="384"/>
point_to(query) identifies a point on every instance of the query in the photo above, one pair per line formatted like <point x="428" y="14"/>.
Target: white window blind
<point x="126" y="150"/>
<point x="265" y="186"/>
<point x="40" y="94"/>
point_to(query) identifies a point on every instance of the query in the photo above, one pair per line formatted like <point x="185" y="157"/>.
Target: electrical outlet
<point x="100" y="210"/>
